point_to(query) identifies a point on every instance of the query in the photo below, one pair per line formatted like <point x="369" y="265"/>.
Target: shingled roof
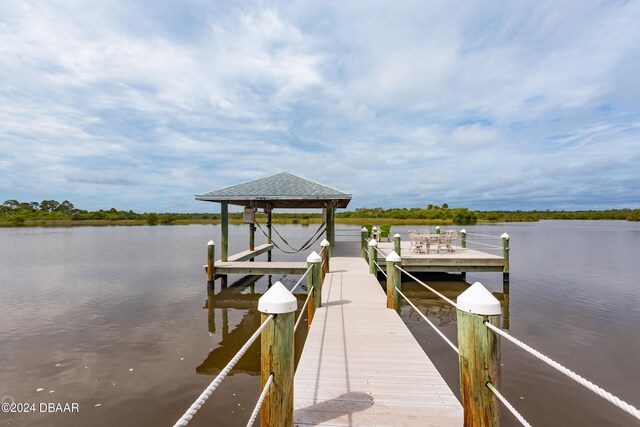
<point x="283" y="190"/>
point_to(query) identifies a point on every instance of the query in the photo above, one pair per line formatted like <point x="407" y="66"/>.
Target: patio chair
<point x="385" y="231"/>
<point x="416" y="242"/>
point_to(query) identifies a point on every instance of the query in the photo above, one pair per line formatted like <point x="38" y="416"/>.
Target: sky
<point x="481" y="104"/>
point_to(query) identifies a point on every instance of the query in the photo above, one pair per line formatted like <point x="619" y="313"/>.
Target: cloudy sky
<point x="483" y="104"/>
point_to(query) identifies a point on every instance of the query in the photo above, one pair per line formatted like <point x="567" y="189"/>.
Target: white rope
<point x="295" y="327"/>
<point x="435" y="328"/>
<point x="577" y="378"/>
<point x="300" y="280"/>
<point x="184" y="420"/>
<point x="508" y="405"/>
<point x="483" y="235"/>
<point x="484" y="244"/>
<point x="256" y="410"/>
<point x="380" y="252"/>
<point x="377" y="265"/>
<point x="427" y="286"/>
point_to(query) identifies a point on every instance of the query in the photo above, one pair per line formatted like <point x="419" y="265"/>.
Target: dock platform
<point x="362" y="366"/>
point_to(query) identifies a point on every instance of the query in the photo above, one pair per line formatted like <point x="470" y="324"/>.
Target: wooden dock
<point x="361" y="365"/>
<point x="461" y="260"/>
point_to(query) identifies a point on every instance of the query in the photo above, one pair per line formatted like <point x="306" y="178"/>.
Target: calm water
<point x="120" y="320"/>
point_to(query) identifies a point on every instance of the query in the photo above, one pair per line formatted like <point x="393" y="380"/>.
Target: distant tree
<point x="152" y="219"/>
<point x="430" y="207"/>
<point x="11" y="204"/>
<point x="35" y="206"/>
<point x="66" y="208"/>
<point x="445" y="206"/>
<point x="49" y="205"/>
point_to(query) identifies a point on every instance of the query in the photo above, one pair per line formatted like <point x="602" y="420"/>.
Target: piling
<point x="211" y="256"/>
<point x="463" y="245"/>
<point x="396" y="243"/>
<point x="314" y="284"/>
<point x="479" y="356"/>
<point x="277" y="356"/>
<point x="224" y="231"/>
<point x="437" y="229"/>
<point x="269" y="232"/>
<point x="394" y="280"/>
<point x="372" y="257"/>
<point x="505" y="255"/>
<point x="325" y="258"/>
<point x="364" y="233"/>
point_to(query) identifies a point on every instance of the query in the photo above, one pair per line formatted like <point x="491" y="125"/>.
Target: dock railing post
<point x="314" y="284"/>
<point x="397" y="247"/>
<point x="463" y="245"/>
<point x="437" y="229"/>
<point x="479" y="357"/>
<point x="211" y="255"/>
<point x="277" y="356"/>
<point x="325" y="258"/>
<point x="394" y="280"/>
<point x="364" y="233"/>
<point x="505" y="255"/>
<point x="372" y="256"/>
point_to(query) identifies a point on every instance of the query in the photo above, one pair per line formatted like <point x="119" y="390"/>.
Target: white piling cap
<point x="393" y="257"/>
<point x="325" y="242"/>
<point x="277" y="300"/>
<point x="437" y="227"/>
<point x="463" y="231"/>
<point x="505" y="236"/>
<point x="396" y="235"/>
<point x="478" y="300"/>
<point x="364" y="230"/>
<point x="313" y="257"/>
<point x="373" y="242"/>
<point x="211" y="243"/>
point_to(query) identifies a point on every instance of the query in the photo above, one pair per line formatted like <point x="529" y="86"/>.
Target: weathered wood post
<point x="269" y="232"/>
<point x="397" y="247"/>
<point x="394" y="280"/>
<point x="364" y="233"/>
<point x="372" y="256"/>
<point x="252" y="237"/>
<point x="325" y="258"/>
<point x="463" y="245"/>
<point x="211" y="256"/>
<point x="276" y="350"/>
<point x="224" y="231"/>
<point x="479" y="356"/>
<point x="314" y="284"/>
<point x="437" y="229"/>
<point x="331" y="225"/>
<point x="505" y="255"/>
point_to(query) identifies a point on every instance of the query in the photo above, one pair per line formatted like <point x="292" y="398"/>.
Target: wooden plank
<point x="261" y="268"/>
<point x="361" y="365"/>
<point x="249" y="254"/>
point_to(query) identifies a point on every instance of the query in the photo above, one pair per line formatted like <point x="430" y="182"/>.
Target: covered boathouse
<point x="280" y="191"/>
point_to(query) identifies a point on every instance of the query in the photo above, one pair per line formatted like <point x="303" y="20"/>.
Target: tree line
<point x="14" y="212"/>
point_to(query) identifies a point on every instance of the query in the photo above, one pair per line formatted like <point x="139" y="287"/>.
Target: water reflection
<point x="239" y="295"/>
<point x="450" y="286"/>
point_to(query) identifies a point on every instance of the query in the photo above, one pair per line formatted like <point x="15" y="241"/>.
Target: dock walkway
<point x="361" y="365"/>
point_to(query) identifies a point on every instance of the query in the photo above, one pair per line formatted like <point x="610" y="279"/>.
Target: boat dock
<point x="360" y="364"/>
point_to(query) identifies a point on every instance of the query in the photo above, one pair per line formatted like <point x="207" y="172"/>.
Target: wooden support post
<point x="505" y="255"/>
<point x="364" y="233"/>
<point x="373" y="257"/>
<point x="277" y="356"/>
<point x="314" y="284"/>
<point x="479" y="356"/>
<point x="331" y="226"/>
<point x="211" y="312"/>
<point x="397" y="246"/>
<point x="269" y="232"/>
<point x="224" y="231"/>
<point x="394" y="280"/>
<point x="437" y="229"/>
<point x="252" y="237"/>
<point x="211" y="256"/>
<point x="463" y="245"/>
<point x="325" y="258"/>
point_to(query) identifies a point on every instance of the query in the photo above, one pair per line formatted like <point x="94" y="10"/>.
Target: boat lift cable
<point x="427" y="286"/>
<point x="188" y="415"/>
<point x="508" y="405"/>
<point x="256" y="410"/>
<point x="577" y="378"/>
<point x="304" y="247"/>
<point x="435" y="328"/>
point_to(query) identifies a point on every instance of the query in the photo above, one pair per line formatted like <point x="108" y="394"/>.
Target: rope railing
<point x="295" y="327"/>
<point x="483" y="244"/>
<point x="301" y="278"/>
<point x="435" y="328"/>
<point x="508" y="405"/>
<point x="256" y="410"/>
<point x="448" y="300"/>
<point x="569" y="373"/>
<point x="483" y="235"/>
<point x="188" y="415"/>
